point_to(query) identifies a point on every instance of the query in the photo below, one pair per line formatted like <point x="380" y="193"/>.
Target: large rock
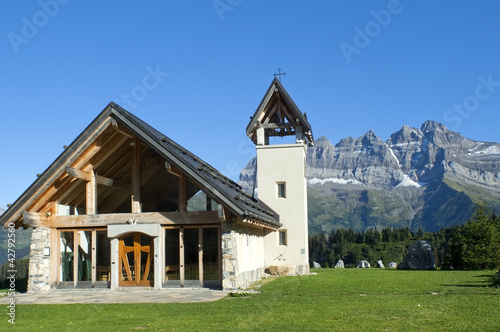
<point x="393" y="265"/>
<point x="340" y="264"/>
<point x="419" y="257"/>
<point x="363" y="264"/>
<point x="380" y="264"/>
<point x="281" y="270"/>
<point x="316" y="265"/>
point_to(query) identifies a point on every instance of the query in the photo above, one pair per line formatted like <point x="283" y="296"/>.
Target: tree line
<point x="474" y="245"/>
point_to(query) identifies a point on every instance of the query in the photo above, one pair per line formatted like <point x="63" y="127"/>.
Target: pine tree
<point x="478" y="241"/>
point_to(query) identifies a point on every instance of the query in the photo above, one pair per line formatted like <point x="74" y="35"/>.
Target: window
<point x="281" y="190"/>
<point x="282" y="237"/>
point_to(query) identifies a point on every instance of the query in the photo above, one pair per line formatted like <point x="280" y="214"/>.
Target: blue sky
<point x="196" y="70"/>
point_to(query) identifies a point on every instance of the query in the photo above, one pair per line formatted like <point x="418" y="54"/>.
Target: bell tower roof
<point x="277" y="115"/>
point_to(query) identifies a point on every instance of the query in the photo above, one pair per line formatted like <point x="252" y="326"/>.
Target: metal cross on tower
<point x="279" y="74"/>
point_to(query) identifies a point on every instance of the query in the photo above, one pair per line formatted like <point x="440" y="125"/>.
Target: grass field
<point x="333" y="299"/>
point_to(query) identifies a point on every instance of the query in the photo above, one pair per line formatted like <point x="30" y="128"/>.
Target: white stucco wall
<point x="285" y="163"/>
<point x="250" y="242"/>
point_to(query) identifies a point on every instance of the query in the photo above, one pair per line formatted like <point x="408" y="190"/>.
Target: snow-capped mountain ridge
<point x="428" y="177"/>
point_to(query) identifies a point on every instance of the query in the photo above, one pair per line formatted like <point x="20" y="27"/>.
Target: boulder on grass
<point x="340" y="264"/>
<point x="363" y="264"/>
<point x="316" y="265"/>
<point x="393" y="265"/>
<point x="419" y="257"/>
<point x="276" y="270"/>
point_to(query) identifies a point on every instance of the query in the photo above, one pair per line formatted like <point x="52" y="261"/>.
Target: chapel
<point x="124" y="205"/>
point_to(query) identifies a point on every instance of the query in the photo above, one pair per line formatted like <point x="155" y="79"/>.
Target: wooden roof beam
<point x="87" y="176"/>
<point x="171" y="169"/>
<point x="36" y="219"/>
<point x="277" y="125"/>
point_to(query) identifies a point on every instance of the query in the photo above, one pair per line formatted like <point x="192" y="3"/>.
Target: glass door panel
<point x="67" y="256"/>
<point x="172" y="257"/>
<point x="84" y="255"/>
<point x="210" y="254"/>
<point x="191" y="257"/>
<point x="103" y="259"/>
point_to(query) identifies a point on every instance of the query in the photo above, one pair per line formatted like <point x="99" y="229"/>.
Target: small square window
<point x="282" y="237"/>
<point x="281" y="190"/>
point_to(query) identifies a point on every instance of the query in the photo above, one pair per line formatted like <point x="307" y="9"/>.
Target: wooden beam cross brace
<point x="86" y="176"/>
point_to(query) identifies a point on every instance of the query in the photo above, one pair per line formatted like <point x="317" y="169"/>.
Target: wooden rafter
<point x="115" y="143"/>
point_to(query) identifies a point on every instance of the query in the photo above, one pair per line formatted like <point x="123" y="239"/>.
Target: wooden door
<point x="136" y="257"/>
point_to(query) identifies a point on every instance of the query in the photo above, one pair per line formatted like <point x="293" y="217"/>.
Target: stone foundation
<point x="247" y="278"/>
<point x="39" y="266"/>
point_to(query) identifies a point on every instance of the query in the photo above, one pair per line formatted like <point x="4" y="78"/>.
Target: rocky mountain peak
<point x="405" y="135"/>
<point x="345" y="142"/>
<point x="442" y="137"/>
<point x="322" y="140"/>
<point x="369" y="139"/>
<point x="433" y="126"/>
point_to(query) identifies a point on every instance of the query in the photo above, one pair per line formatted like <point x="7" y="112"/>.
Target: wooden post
<point x="200" y="255"/>
<point x="209" y="203"/>
<point x="76" y="243"/>
<point x="91" y="194"/>
<point x="94" y="258"/>
<point x="136" y="177"/>
<point x="181" y="255"/>
<point x="182" y="194"/>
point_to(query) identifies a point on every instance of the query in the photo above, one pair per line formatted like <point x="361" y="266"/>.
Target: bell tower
<point x="281" y="175"/>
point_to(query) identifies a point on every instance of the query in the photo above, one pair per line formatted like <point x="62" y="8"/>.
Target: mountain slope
<point x="425" y="178"/>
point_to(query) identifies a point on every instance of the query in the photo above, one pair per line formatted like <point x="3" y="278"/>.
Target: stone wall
<point x="230" y="268"/>
<point x="39" y="266"/>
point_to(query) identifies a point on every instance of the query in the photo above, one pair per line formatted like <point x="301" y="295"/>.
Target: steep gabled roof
<point x="277" y="107"/>
<point x="208" y="179"/>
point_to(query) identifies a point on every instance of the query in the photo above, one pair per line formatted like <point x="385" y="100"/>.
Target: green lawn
<point x="334" y="299"/>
